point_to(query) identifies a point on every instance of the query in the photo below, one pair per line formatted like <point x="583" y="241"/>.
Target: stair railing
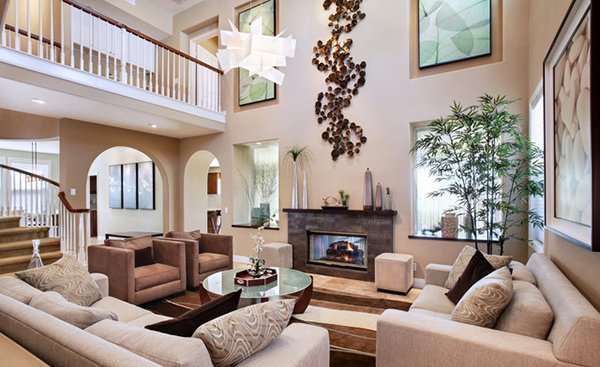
<point x="76" y="36"/>
<point x="40" y="203"/>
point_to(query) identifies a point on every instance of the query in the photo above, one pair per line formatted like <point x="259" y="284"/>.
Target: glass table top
<point x="288" y="281"/>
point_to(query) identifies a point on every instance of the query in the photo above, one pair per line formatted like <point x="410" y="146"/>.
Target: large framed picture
<point x="145" y="183"/>
<point x="572" y="158"/>
<point x="115" y="187"/>
<point x="255" y="89"/>
<point x="453" y="30"/>
<point x="130" y="186"/>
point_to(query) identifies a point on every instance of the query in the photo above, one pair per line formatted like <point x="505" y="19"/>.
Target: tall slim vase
<point x="305" y="191"/>
<point x="295" y="186"/>
<point x="378" y="197"/>
<point x="368" y="193"/>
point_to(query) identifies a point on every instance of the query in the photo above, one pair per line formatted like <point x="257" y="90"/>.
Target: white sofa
<point x="425" y="336"/>
<point x="58" y="343"/>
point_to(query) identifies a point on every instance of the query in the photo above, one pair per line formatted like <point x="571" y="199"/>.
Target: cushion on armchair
<point x="141" y="246"/>
<point x="463" y="259"/>
<point x="153" y="275"/>
<point x="209" y="261"/>
<point x="192" y="235"/>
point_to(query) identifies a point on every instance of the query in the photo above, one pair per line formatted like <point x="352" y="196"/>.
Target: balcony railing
<point x="70" y="34"/>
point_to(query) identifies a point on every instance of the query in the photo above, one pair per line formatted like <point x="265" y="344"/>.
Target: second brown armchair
<point x="205" y="254"/>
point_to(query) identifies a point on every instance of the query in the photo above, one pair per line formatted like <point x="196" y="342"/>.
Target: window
<point x="536" y="135"/>
<point x="256" y="184"/>
<point x="427" y="211"/>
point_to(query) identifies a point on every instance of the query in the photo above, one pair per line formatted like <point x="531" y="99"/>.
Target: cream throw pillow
<point x="237" y="335"/>
<point x="463" y="259"/>
<point x="485" y="300"/>
<point x="67" y="277"/>
<point x="17" y="289"/>
<point x="56" y="305"/>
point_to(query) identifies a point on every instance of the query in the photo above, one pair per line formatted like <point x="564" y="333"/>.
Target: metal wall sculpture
<point x="344" y="78"/>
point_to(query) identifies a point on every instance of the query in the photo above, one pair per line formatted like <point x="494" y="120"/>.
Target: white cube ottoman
<point x="278" y="254"/>
<point x="394" y="272"/>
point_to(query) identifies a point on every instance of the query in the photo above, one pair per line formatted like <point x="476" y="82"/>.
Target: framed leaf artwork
<point x="572" y="157"/>
<point x="453" y="30"/>
<point x="115" y="187"/>
<point x="130" y="186"/>
<point x="255" y="89"/>
<point x="145" y="183"/>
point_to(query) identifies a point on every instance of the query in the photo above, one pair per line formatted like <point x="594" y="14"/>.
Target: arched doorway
<point x="125" y="193"/>
<point x="202" y="191"/>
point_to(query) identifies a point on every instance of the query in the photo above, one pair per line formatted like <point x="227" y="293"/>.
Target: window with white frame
<point x="256" y="184"/>
<point x="536" y="135"/>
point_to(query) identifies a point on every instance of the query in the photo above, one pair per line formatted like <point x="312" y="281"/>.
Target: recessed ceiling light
<point x="38" y="101"/>
<point x="154" y="126"/>
<point x="259" y="143"/>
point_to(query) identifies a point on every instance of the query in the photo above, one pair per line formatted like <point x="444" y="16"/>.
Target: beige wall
<point x="19" y="125"/>
<point x="82" y="142"/>
<point x="386" y="106"/>
<point x="578" y="264"/>
<point x="544" y="19"/>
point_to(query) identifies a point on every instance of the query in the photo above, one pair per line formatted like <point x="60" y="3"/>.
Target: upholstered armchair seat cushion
<point x="209" y="261"/>
<point x="153" y="275"/>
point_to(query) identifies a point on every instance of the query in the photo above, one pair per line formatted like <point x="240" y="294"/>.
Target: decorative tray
<point x="244" y="278"/>
<point x="334" y="207"/>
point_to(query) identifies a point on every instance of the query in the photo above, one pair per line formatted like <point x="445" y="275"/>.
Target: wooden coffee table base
<point x="302" y="301"/>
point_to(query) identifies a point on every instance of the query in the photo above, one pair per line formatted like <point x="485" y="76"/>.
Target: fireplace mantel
<point x="335" y="211"/>
<point x="377" y="226"/>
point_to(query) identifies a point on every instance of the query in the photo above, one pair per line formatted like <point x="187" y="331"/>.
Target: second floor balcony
<point x="66" y="48"/>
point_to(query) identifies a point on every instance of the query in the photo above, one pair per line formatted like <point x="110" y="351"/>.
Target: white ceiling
<point x="171" y="6"/>
<point x="43" y="146"/>
<point x="63" y="105"/>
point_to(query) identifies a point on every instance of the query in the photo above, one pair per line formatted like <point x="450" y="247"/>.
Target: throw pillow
<point x="520" y="272"/>
<point x="463" y="260"/>
<point x="67" y="277"/>
<point x="56" y="305"/>
<point x="485" y="301"/>
<point x="234" y="337"/>
<point x="186" y="324"/>
<point x="134" y="243"/>
<point x="477" y="268"/>
<point x="143" y="257"/>
<point x="528" y="313"/>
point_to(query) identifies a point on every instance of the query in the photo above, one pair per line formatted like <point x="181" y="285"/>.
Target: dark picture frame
<point x="115" y="187"/>
<point x="572" y="173"/>
<point x="242" y="77"/>
<point x="146" y="185"/>
<point x="458" y="35"/>
<point x="130" y="186"/>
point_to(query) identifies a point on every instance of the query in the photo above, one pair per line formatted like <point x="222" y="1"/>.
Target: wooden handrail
<point x="36" y="37"/>
<point x="63" y="199"/>
<point x="94" y="13"/>
<point x="42" y="178"/>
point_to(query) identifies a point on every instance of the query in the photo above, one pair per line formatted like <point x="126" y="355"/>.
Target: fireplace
<point x="337" y="249"/>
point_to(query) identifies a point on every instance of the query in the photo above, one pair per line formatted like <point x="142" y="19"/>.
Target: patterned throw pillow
<point x="66" y="277"/>
<point x="463" y="259"/>
<point x="234" y="337"/>
<point x="485" y="301"/>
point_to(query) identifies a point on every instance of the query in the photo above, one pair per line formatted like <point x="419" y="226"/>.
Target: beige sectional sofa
<point x="425" y="336"/>
<point x="59" y="343"/>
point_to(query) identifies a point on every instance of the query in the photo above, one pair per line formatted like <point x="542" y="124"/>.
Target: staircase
<point x="16" y="247"/>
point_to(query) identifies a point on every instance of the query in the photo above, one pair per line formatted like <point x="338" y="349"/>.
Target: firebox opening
<point x="338" y="249"/>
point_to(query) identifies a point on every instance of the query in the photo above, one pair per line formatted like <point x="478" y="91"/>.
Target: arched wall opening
<point x="113" y="219"/>
<point x="199" y="198"/>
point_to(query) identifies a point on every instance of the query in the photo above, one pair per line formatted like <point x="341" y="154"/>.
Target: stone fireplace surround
<point x="377" y="225"/>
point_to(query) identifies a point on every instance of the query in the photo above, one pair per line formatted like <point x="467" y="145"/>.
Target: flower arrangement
<point x="256" y="262"/>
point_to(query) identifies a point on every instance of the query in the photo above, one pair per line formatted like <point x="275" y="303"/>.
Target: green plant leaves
<point x="452" y="30"/>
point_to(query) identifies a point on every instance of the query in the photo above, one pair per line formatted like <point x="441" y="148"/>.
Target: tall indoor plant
<point x="298" y="155"/>
<point x="486" y="162"/>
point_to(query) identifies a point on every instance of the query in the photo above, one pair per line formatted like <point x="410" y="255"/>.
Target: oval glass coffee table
<point x="289" y="281"/>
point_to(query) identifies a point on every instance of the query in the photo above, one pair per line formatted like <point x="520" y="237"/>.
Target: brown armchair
<point x="145" y="283"/>
<point x="205" y="254"/>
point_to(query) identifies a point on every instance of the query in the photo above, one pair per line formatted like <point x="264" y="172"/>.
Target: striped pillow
<point x="485" y="300"/>
<point x="234" y="337"/>
<point x="66" y="277"/>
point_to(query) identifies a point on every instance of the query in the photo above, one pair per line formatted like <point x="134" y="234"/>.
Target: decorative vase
<point x="36" y="260"/>
<point x="388" y="199"/>
<point x="294" y="186"/>
<point x="368" y="193"/>
<point x="378" y="197"/>
<point x="468" y="225"/>
<point x="449" y="225"/>
<point x="305" y="191"/>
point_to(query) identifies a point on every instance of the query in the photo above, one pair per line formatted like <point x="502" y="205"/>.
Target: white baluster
<point x="155" y="68"/>
<point x="80" y="40"/>
<point x="40" y="42"/>
<point x="91" y="45"/>
<point x="62" y="34"/>
<point x="28" y="27"/>
<point x="17" y="27"/>
<point x="113" y="31"/>
<point x="130" y="57"/>
<point x="143" y="62"/>
<point x="180" y="83"/>
<point x="124" y="56"/>
<point x="139" y="69"/>
<point x="169" y="87"/>
<point x="162" y="72"/>
<point x="52" y="54"/>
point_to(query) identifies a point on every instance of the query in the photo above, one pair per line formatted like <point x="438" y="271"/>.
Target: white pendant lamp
<point x="255" y="52"/>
